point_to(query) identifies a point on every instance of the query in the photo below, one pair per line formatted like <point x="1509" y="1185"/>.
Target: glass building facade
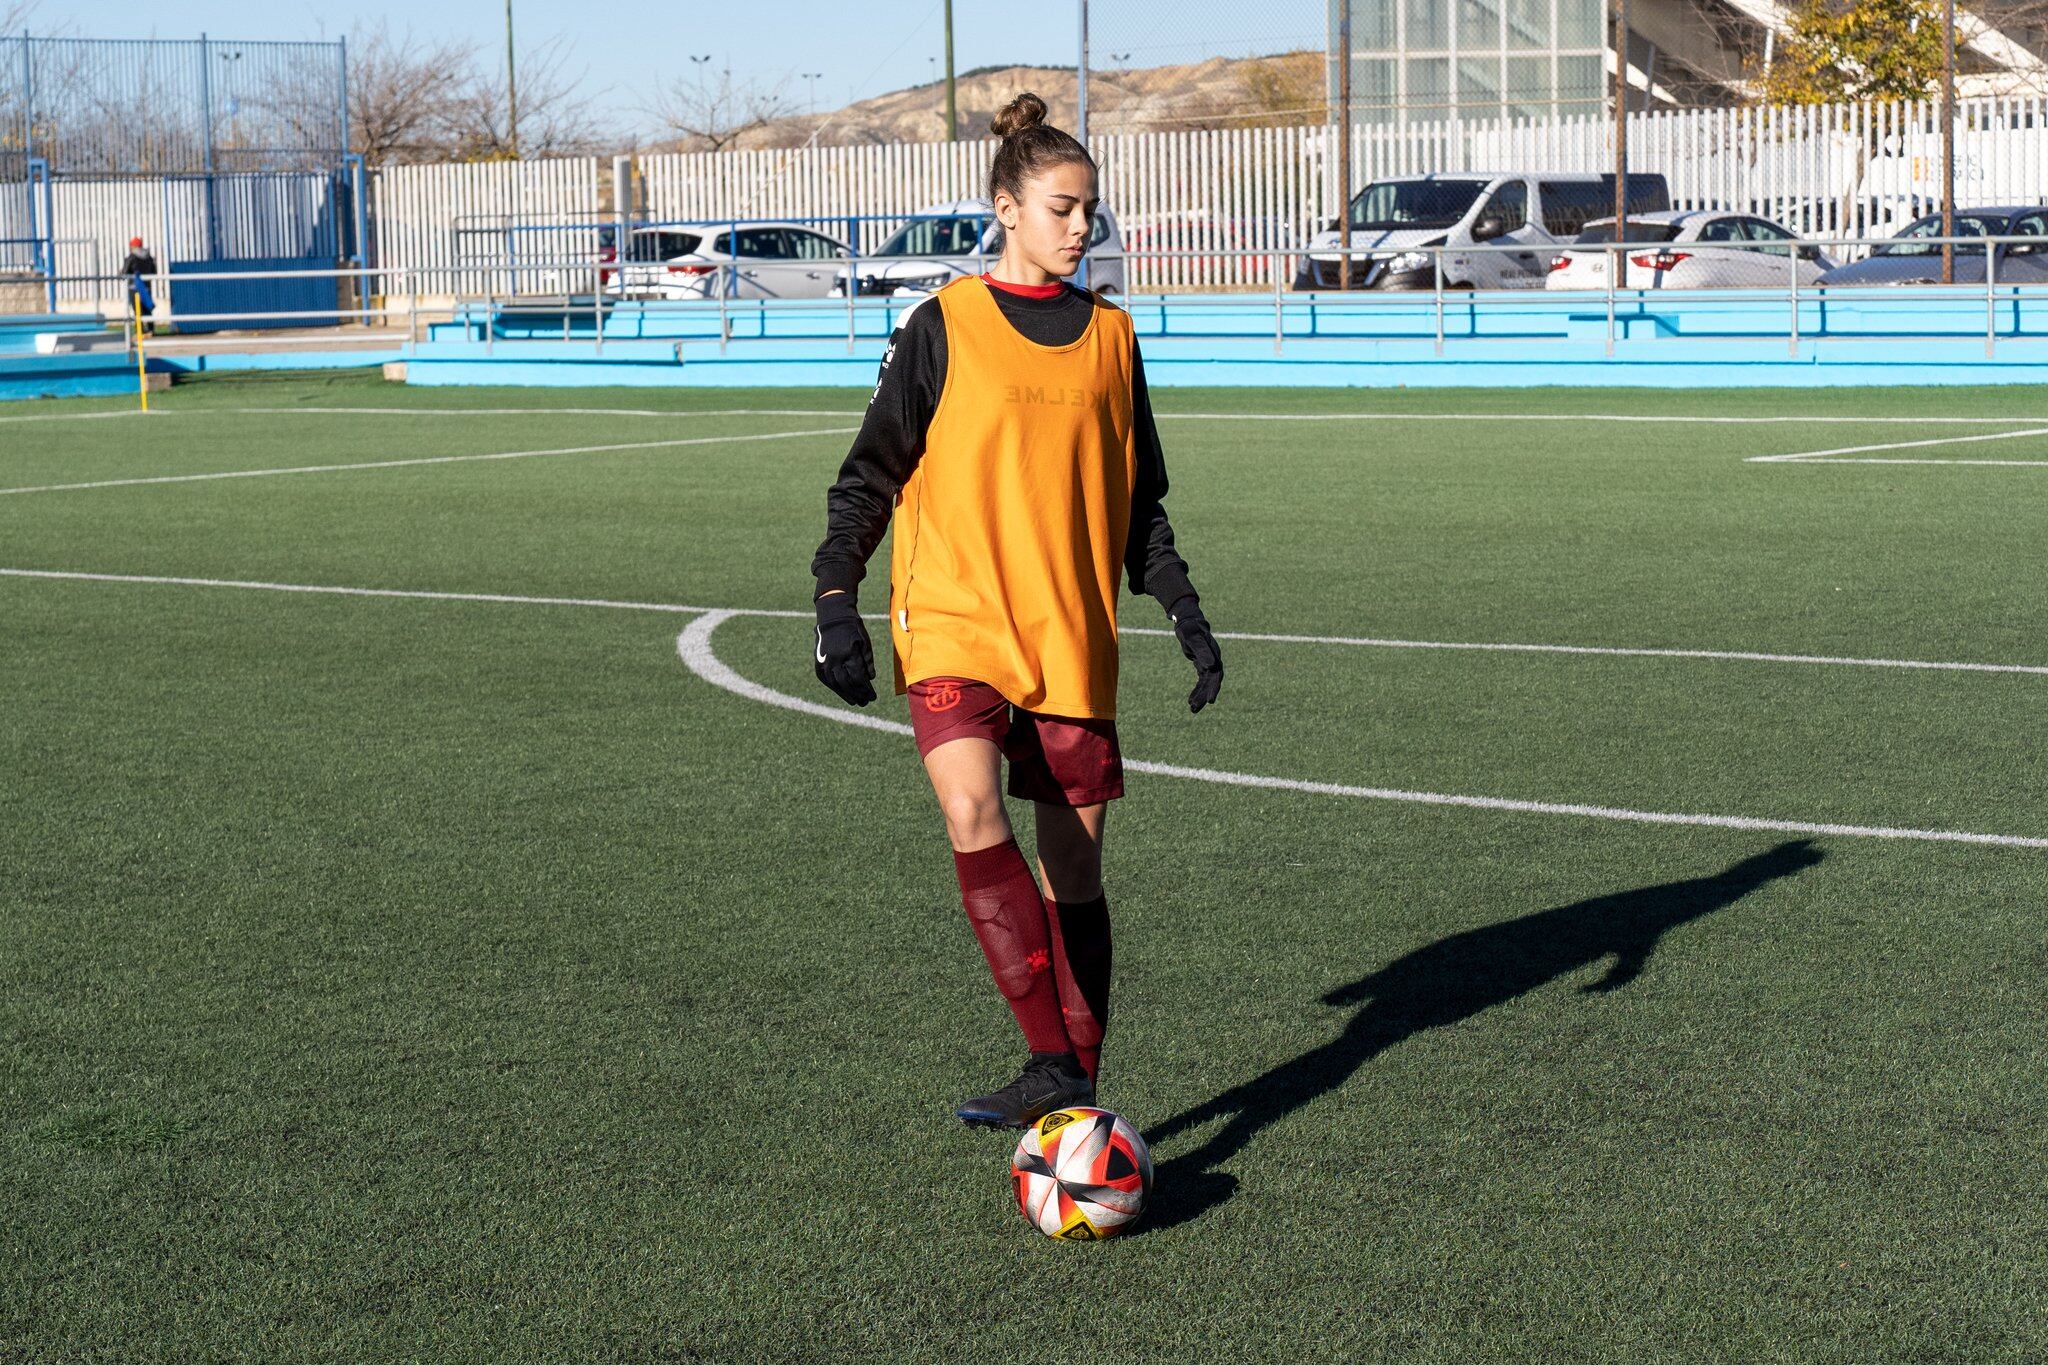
<point x="1425" y="61"/>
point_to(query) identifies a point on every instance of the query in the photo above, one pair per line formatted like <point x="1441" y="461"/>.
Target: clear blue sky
<point x="626" y="48"/>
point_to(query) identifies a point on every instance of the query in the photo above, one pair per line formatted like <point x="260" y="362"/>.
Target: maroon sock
<point x="1008" y="915"/>
<point x="1080" y="963"/>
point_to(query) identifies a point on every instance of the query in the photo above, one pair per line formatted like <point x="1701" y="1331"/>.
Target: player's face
<point x="1048" y="228"/>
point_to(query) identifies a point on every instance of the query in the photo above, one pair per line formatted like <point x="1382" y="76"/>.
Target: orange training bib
<point x="1010" y="535"/>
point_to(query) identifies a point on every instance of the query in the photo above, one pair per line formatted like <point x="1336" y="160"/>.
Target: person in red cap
<point x="139" y="268"/>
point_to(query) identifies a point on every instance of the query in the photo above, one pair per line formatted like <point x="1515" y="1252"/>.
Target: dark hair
<point x="1030" y="146"/>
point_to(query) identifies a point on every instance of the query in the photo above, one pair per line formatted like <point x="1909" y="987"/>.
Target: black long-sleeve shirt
<point x="892" y="441"/>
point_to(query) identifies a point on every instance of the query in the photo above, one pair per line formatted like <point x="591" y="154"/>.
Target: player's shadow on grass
<point x="1442" y="984"/>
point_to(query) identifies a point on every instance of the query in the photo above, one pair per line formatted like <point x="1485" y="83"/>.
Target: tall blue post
<point x="341" y="141"/>
<point x="42" y="228"/>
<point x="206" y="132"/>
<point x="28" y="100"/>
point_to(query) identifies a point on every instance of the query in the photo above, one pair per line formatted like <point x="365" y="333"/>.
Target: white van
<point x="1529" y="211"/>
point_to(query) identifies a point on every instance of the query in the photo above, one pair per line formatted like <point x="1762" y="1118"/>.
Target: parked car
<point x="1689" y="249"/>
<point x="746" y="261"/>
<point x="1392" y="221"/>
<point x="962" y="237"/>
<point x="1910" y="259"/>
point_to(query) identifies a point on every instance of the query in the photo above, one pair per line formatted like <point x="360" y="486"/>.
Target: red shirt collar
<point x="1029" y="291"/>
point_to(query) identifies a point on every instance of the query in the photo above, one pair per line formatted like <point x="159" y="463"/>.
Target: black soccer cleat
<point x="1050" y="1080"/>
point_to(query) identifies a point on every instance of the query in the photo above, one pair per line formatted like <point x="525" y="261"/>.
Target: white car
<point x="962" y="237"/>
<point x="1692" y="249"/>
<point x="744" y="261"/>
<point x="1519" y="218"/>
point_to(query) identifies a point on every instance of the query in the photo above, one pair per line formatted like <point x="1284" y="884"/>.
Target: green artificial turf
<point x="388" y="979"/>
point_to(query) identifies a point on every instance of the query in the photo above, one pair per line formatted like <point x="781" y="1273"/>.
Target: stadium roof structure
<point x="1690" y="52"/>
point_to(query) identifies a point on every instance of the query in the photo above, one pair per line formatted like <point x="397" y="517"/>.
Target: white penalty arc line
<point x="1845" y="454"/>
<point x="1257" y="637"/>
<point x="426" y="460"/>
<point x="694" y="648"/>
<point x="693" y="645"/>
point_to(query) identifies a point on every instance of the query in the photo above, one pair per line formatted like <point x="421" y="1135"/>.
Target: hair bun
<point x="1025" y="111"/>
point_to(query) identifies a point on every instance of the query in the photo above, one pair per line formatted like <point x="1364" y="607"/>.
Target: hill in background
<point x="1286" y="89"/>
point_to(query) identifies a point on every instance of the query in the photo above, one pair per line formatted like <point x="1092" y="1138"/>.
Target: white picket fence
<point x="1842" y="170"/>
<point x="458" y="229"/>
<point x="1847" y="170"/>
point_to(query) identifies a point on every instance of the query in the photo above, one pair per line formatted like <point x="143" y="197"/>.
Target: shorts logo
<point x="943" y="696"/>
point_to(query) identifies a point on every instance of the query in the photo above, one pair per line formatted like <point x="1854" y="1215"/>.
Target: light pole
<point x="1344" y="150"/>
<point x="511" y="85"/>
<point x="1620" y="128"/>
<point x="1948" y="146"/>
<point x="812" y="77"/>
<point x="952" y="115"/>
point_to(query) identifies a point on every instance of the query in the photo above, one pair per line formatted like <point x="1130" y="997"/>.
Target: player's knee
<point x="974" y="820"/>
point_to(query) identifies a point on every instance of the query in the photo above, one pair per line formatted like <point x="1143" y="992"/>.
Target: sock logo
<point x="1039" y="960"/>
<point x="942" y="696"/>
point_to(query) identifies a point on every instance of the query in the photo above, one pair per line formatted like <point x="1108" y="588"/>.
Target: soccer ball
<point x="1082" y="1174"/>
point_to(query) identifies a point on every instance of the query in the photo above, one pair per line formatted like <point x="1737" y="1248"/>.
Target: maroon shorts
<point x="1060" y="760"/>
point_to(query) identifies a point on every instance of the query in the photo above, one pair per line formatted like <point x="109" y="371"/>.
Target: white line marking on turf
<point x="1649" y="418"/>
<point x="1663" y="418"/>
<point x="578" y="412"/>
<point x="416" y="594"/>
<point x="73" y="416"/>
<point x="1357" y="641"/>
<point x="1838" y="454"/>
<point x="426" y="460"/>
<point x="694" y="647"/>
<point x="1733" y="655"/>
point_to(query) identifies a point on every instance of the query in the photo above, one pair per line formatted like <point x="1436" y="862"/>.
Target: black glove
<point x="845" y="659"/>
<point x="1191" y="628"/>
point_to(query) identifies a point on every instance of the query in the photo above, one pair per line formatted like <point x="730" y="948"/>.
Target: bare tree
<point x="555" y="118"/>
<point x="405" y="95"/>
<point x="712" y="112"/>
<point x="14" y="16"/>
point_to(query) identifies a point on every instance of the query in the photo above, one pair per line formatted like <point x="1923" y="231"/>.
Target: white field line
<point x="1650" y="418"/>
<point x="1732" y="655"/>
<point x="74" y="416"/>
<point x="427" y="460"/>
<point x="1355" y="641"/>
<point x="694" y="647"/>
<point x="1838" y="454"/>
<point x="577" y="412"/>
<point x="437" y="412"/>
<point x="1647" y="418"/>
<point x="413" y="594"/>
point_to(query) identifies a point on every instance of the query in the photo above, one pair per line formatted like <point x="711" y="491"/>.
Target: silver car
<point x="1689" y="249"/>
<point x="1911" y="259"/>
<point x="743" y="261"/>
<point x="962" y="237"/>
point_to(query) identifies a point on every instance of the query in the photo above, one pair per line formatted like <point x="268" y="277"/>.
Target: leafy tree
<point x="1857" y="49"/>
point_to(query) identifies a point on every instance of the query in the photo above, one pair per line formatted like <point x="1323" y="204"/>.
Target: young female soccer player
<point x="1012" y="434"/>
